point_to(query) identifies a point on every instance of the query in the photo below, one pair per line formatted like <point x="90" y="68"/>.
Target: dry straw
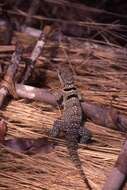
<point x="101" y="77"/>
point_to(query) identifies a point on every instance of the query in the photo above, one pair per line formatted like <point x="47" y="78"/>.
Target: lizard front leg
<point x="57" y="127"/>
<point x="85" y="135"/>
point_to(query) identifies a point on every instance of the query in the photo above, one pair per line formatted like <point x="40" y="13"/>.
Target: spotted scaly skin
<point x="71" y="122"/>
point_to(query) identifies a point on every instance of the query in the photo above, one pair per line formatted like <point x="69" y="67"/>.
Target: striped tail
<point x="72" y="146"/>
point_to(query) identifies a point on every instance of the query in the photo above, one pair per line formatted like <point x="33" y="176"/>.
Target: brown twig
<point x="104" y="116"/>
<point x="119" y="173"/>
<point x="31" y="31"/>
<point x="32" y="93"/>
<point x="7" y="84"/>
<point x="3" y="130"/>
<point x="6" y="32"/>
<point x="35" y="54"/>
<point x="32" y="11"/>
<point x="30" y="146"/>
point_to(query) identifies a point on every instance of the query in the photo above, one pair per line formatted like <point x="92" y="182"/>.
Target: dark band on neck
<point x="69" y="89"/>
<point x="72" y="96"/>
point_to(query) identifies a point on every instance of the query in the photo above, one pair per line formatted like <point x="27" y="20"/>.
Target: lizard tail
<point x="72" y="146"/>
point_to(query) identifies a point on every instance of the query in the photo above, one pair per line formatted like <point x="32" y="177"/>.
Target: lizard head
<point x="65" y="75"/>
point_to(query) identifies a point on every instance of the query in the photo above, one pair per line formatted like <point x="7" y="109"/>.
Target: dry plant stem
<point x="7" y="85"/>
<point x="3" y="94"/>
<point x="31" y="31"/>
<point x="35" y="54"/>
<point x="25" y="29"/>
<point x="30" y="146"/>
<point x="114" y="181"/>
<point x="6" y="32"/>
<point x="32" y="93"/>
<point x="104" y="116"/>
<point x="3" y="130"/>
<point x="119" y="172"/>
<point x="82" y="7"/>
<point x="32" y="11"/>
<point x="17" y="3"/>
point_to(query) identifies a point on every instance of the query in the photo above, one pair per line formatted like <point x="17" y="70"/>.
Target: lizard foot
<point x="85" y="135"/>
<point x="55" y="131"/>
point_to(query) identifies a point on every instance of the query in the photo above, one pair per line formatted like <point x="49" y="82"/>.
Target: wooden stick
<point x="100" y="115"/>
<point x="3" y="130"/>
<point x="32" y="11"/>
<point x="35" y="54"/>
<point x="6" y="32"/>
<point x="105" y="116"/>
<point x="118" y="174"/>
<point x="7" y="84"/>
<point x="32" y="93"/>
<point x="31" y="31"/>
<point x="31" y="62"/>
<point x="30" y="146"/>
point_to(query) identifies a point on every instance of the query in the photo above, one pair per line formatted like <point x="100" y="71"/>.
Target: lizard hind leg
<point x="56" y="129"/>
<point x="85" y="135"/>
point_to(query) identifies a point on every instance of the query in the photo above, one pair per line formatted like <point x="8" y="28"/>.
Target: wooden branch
<point x="31" y="62"/>
<point x="32" y="93"/>
<point x="3" y="130"/>
<point x="118" y="174"/>
<point x="7" y="84"/>
<point x="100" y="115"/>
<point x="105" y="116"/>
<point x="82" y="7"/>
<point x="35" y="54"/>
<point x="31" y="31"/>
<point x="32" y="11"/>
<point x="30" y="146"/>
<point x="6" y="32"/>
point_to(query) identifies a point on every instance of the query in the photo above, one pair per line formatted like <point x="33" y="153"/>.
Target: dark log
<point x="119" y="173"/>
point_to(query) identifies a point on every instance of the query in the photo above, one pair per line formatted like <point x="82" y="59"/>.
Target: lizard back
<point x="72" y="106"/>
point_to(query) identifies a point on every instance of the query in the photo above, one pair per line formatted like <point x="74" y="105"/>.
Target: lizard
<point x="71" y="122"/>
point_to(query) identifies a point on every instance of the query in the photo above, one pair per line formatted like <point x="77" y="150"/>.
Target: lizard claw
<point x="85" y="135"/>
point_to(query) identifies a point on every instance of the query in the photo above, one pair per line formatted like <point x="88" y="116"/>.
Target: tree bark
<point x="118" y="174"/>
<point x="7" y="84"/>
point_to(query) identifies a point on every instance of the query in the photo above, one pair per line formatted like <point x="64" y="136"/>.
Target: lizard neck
<point x="69" y="92"/>
<point x="68" y="88"/>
